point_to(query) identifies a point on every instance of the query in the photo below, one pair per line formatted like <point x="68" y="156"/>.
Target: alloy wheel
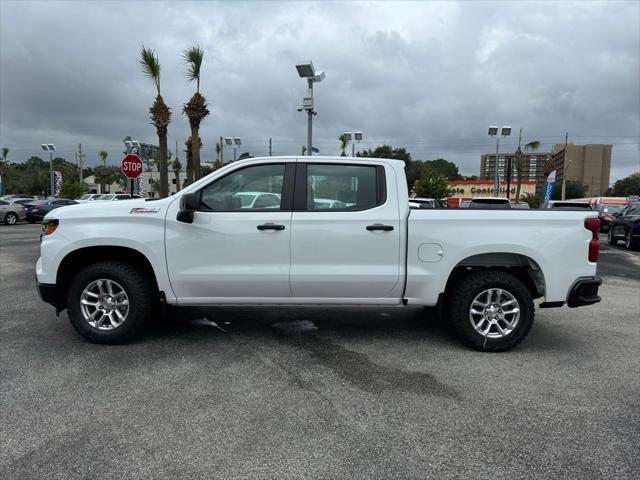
<point x="104" y="304"/>
<point x="494" y="313"/>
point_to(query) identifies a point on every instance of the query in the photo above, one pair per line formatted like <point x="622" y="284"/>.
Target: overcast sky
<point x="429" y="76"/>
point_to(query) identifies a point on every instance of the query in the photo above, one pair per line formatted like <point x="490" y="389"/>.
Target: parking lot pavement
<point x="317" y="393"/>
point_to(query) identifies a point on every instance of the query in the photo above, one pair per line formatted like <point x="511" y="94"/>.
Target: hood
<point x="109" y="209"/>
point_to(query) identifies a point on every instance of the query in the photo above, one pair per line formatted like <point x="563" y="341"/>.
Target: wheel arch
<point x="521" y="266"/>
<point x="74" y="261"/>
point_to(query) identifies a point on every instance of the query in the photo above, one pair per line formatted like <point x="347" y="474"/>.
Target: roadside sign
<point x="132" y="166"/>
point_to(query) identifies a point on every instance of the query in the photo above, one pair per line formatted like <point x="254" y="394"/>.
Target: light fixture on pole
<point x="308" y="71"/>
<point x="493" y="132"/>
<point x="357" y="137"/>
<point x="50" y="147"/>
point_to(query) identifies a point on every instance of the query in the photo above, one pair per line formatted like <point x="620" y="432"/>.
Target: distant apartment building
<point x="589" y="165"/>
<point x="534" y="164"/>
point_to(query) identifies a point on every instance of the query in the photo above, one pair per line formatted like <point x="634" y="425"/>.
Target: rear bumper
<point x="584" y="292"/>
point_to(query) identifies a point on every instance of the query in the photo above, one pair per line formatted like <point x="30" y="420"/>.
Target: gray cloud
<point x="430" y="76"/>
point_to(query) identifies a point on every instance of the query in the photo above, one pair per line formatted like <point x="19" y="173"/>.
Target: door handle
<point x="270" y="226"/>
<point x="379" y="226"/>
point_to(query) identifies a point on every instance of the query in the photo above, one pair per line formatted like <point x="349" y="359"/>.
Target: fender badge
<point x="144" y="210"/>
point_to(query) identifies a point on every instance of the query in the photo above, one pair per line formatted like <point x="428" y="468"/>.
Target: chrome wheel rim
<point x="11" y="219"/>
<point x="494" y="313"/>
<point x="104" y="304"/>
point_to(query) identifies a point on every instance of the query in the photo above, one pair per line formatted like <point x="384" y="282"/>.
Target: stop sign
<point x="131" y="166"/>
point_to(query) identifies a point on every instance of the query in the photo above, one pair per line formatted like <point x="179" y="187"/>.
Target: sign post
<point x="132" y="168"/>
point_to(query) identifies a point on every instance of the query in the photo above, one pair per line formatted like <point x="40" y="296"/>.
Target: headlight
<point x="48" y="227"/>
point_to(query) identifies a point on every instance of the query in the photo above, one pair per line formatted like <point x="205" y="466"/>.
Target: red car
<point x="605" y="214"/>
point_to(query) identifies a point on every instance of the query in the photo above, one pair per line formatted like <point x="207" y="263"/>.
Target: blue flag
<point x="551" y="181"/>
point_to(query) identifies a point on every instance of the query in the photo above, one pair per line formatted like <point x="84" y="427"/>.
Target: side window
<point x="341" y="187"/>
<point x="2" y="202"/>
<point x="634" y="210"/>
<point x="251" y="188"/>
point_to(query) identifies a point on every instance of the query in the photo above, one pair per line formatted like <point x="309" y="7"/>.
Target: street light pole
<point x="565" y="165"/>
<point x="493" y="131"/>
<point x="308" y="71"/>
<point x="50" y="147"/>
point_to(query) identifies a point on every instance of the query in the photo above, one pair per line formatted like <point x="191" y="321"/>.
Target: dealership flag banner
<point x="551" y="181"/>
<point x="140" y="186"/>
<point x="57" y="182"/>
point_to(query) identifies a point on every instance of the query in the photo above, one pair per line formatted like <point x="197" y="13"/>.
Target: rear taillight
<point x="593" y="225"/>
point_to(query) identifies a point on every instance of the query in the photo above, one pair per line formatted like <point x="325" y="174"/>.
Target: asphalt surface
<point x="318" y="393"/>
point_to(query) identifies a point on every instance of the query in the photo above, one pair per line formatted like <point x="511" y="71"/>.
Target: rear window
<point x="342" y="187"/>
<point x="489" y="203"/>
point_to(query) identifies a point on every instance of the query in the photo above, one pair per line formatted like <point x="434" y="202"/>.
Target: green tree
<point x="160" y="114"/>
<point x="104" y="175"/>
<point x="344" y="143"/>
<point x="103" y="156"/>
<point x="72" y="189"/>
<point x="196" y="109"/>
<point x="443" y="167"/>
<point x="177" y="166"/>
<point x="218" y="152"/>
<point x="304" y="150"/>
<point x="573" y="190"/>
<point x="626" y="186"/>
<point x="432" y="186"/>
<point x="532" y="199"/>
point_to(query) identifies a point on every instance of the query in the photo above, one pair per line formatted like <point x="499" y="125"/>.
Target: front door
<point x="237" y="248"/>
<point x="345" y="234"/>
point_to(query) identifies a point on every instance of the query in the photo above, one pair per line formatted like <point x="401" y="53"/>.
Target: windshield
<point x="103" y="197"/>
<point x="86" y="196"/>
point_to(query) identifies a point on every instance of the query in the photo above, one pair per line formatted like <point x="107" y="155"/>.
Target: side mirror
<point x="188" y="205"/>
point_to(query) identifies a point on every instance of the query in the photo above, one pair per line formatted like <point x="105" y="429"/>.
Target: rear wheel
<point x="110" y="302"/>
<point x="11" y="218"/>
<point x="491" y="310"/>
<point x="610" y="238"/>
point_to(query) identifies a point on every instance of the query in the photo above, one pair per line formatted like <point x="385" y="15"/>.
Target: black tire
<point x="466" y="290"/>
<point x="628" y="241"/>
<point x="10" y="218"/>
<point x="610" y="238"/>
<point x="142" y="301"/>
<point x="31" y="220"/>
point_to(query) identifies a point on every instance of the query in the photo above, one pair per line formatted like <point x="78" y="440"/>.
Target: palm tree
<point x="344" y="143"/>
<point x="104" y="175"/>
<point x="520" y="163"/>
<point x="160" y="114"/>
<point x="196" y="109"/>
<point x="190" y="163"/>
<point x="103" y="156"/>
<point x="177" y="166"/>
<point x="218" y="151"/>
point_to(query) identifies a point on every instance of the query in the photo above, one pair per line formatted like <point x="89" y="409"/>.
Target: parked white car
<point x="110" y="264"/>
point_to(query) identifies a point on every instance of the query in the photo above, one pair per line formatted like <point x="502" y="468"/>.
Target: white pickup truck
<point x="331" y="231"/>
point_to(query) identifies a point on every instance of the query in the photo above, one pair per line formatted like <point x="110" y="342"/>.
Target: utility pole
<point x="270" y="152"/>
<point x="221" y="152"/>
<point x="565" y="165"/>
<point x="80" y="160"/>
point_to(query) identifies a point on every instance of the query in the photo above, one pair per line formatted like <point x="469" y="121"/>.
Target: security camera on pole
<point x="307" y="70"/>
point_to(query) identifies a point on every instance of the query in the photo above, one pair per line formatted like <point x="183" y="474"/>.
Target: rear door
<point x="345" y="233"/>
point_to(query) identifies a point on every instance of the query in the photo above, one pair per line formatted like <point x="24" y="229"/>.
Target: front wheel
<point x="610" y="238"/>
<point x="109" y="302"/>
<point x="11" y="218"/>
<point x="491" y="310"/>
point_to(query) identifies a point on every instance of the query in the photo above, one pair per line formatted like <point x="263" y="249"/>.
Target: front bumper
<point x="47" y="293"/>
<point x="584" y="292"/>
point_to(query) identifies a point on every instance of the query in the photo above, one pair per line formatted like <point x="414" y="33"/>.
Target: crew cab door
<point x="237" y="248"/>
<point x="345" y="233"/>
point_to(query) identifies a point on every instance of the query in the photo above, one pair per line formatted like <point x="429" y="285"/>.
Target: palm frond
<point x="532" y="145"/>
<point x="150" y="65"/>
<point x="193" y="58"/>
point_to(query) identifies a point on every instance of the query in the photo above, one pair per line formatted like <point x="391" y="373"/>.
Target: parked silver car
<point x="11" y="213"/>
